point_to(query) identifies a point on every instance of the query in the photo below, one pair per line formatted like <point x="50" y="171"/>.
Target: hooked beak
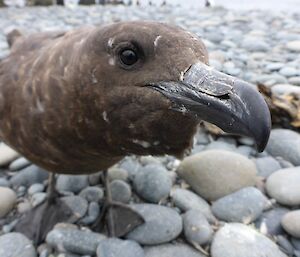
<point x="230" y="103"/>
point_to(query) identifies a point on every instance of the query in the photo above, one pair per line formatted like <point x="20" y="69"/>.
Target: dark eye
<point x="128" y="57"/>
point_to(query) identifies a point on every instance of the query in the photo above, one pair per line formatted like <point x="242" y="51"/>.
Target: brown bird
<point x="78" y="102"/>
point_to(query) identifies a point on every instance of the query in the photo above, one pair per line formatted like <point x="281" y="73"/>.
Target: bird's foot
<point x="119" y="219"/>
<point x="36" y="223"/>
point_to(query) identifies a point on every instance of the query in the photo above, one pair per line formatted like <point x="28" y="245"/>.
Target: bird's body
<point x="70" y="112"/>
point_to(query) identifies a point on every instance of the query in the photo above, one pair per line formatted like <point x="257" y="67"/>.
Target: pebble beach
<point x="224" y="199"/>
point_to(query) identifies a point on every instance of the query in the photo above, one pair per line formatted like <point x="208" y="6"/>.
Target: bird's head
<point x="156" y="86"/>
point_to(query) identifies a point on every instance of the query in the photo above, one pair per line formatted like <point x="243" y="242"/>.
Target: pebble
<point x="255" y="45"/>
<point x="172" y="250"/>
<point x="152" y="183"/>
<point x="4" y="182"/>
<point x="93" y="214"/>
<point x="285" y="89"/>
<point x="285" y="143"/>
<point x="120" y="191"/>
<point x="232" y="208"/>
<point x="92" y="194"/>
<point x="296" y="243"/>
<point x="291" y="223"/>
<point x="19" y="164"/>
<point x="269" y="223"/>
<point x="68" y="238"/>
<point x="16" y="245"/>
<point x="114" y="247"/>
<point x="219" y="145"/>
<point x="8" y="200"/>
<point x="274" y="66"/>
<point x="224" y="171"/>
<point x="283" y="185"/>
<point x="266" y="166"/>
<point x="7" y="154"/>
<point x="115" y="173"/>
<point x="94" y="179"/>
<point x="36" y="188"/>
<point x="187" y="200"/>
<point x="77" y="204"/>
<point x="162" y="224"/>
<point x="295" y="81"/>
<point x="131" y="166"/>
<point x="71" y="183"/>
<point x="38" y="198"/>
<point x="293" y="46"/>
<point x="196" y="227"/>
<point x="29" y="176"/>
<point x="285" y="245"/>
<point x="235" y="240"/>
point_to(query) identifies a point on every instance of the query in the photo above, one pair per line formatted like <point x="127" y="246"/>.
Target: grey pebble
<point x="285" y="143"/>
<point x="38" y="198"/>
<point x="255" y="45"/>
<point x="19" y="164"/>
<point x="187" y="200"/>
<point x="36" y="188"/>
<point x="94" y="179"/>
<point x="120" y="191"/>
<point x="236" y="240"/>
<point x="4" y="182"/>
<point x="152" y="183"/>
<point x="291" y="223"/>
<point x="28" y="176"/>
<point x="77" y="204"/>
<point x="244" y="206"/>
<point x="283" y="185"/>
<point x="131" y="166"/>
<point x="93" y="214"/>
<point x="114" y="247"/>
<point x="288" y="71"/>
<point x="172" y="250"/>
<point x="285" y="245"/>
<point x="224" y="171"/>
<point x="296" y="243"/>
<point x="219" y="145"/>
<point x="71" y="183"/>
<point x="266" y="166"/>
<point x="196" y="227"/>
<point x="8" y="199"/>
<point x="162" y="224"/>
<point x="65" y="237"/>
<point x="92" y="194"/>
<point x="270" y="221"/>
<point x="16" y="245"/>
<point x="115" y="173"/>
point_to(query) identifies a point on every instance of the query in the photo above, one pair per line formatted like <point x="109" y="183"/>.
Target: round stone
<point x="162" y="224"/>
<point x="71" y="183"/>
<point x="283" y="185"/>
<point x="117" y="247"/>
<point x="291" y="223"/>
<point x="8" y="200"/>
<point x="29" y="176"/>
<point x="172" y="250"/>
<point x="285" y="143"/>
<point x="266" y="166"/>
<point x="19" y="164"/>
<point x="152" y="183"/>
<point x="269" y="223"/>
<point x="115" y="173"/>
<point x="120" y="191"/>
<point x="36" y="188"/>
<point x="196" y="227"/>
<point x="92" y="194"/>
<point x="214" y="174"/>
<point x="66" y="237"/>
<point x="293" y="45"/>
<point x="7" y="154"/>
<point x="187" y="200"/>
<point x="232" y="208"/>
<point x="15" y="245"/>
<point x="77" y="204"/>
<point x="236" y="240"/>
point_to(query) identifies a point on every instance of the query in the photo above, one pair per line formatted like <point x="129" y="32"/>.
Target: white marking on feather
<point x="142" y="143"/>
<point x="111" y="61"/>
<point x="156" y="40"/>
<point x="110" y="42"/>
<point x="104" y="115"/>
<point x="39" y="106"/>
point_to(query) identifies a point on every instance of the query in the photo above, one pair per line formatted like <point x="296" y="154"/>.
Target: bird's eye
<point x="128" y="57"/>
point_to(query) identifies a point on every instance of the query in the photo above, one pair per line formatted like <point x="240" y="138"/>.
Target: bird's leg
<point x="36" y="223"/>
<point x="120" y="218"/>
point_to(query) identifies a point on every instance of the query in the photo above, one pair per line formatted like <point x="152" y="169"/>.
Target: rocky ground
<point x="224" y="200"/>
